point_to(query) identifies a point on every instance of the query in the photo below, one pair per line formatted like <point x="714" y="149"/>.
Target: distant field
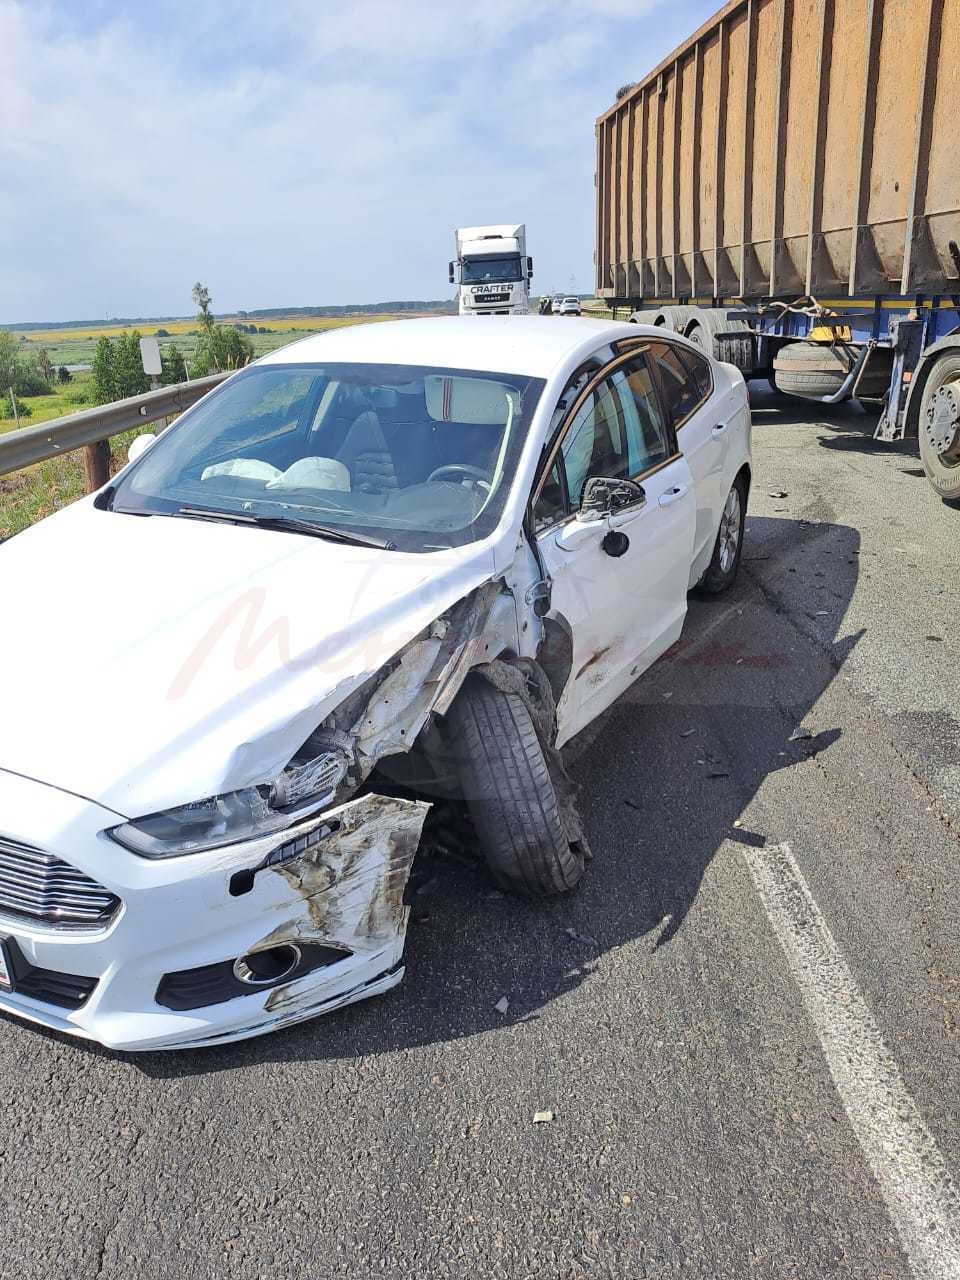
<point x="77" y="346"/>
<point x="298" y="324"/>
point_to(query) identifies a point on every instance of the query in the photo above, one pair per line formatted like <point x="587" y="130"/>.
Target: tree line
<point x="27" y="375"/>
<point x="118" y="368"/>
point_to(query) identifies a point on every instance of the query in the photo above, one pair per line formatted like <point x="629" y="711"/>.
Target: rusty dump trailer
<point x="785" y="188"/>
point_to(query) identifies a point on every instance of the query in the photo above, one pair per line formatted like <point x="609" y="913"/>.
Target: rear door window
<point x="681" y="383"/>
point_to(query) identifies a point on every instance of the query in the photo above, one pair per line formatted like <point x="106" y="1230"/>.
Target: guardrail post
<point x="96" y="464"/>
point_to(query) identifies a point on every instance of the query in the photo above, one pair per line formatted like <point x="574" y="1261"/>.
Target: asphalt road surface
<point x="746" y="1024"/>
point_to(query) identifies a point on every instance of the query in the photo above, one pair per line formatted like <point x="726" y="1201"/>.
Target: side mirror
<point x="450" y="268"/>
<point x="603" y="496"/>
<point x="529" y="268"/>
<point x="140" y="445"/>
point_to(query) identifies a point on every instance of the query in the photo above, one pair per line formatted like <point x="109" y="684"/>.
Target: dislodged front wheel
<point x="939" y="427"/>
<point x="510" y="794"/>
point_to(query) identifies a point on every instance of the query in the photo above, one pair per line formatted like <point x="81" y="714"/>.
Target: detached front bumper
<point x="330" y="891"/>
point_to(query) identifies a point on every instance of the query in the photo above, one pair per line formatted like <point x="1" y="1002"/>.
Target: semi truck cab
<point x="492" y="270"/>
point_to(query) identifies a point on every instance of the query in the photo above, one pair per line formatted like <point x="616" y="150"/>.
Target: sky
<point x="300" y="152"/>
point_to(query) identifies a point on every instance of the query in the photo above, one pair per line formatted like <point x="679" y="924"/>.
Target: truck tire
<point x="939" y="426"/>
<point x="807" y="370"/>
<point x="721" y="572"/>
<point x="510" y="795"/>
<point x="642" y="317"/>
<point x="674" y="318"/>
<point x="703" y="327"/>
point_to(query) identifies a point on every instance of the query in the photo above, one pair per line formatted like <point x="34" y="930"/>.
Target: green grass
<point x="31" y="494"/>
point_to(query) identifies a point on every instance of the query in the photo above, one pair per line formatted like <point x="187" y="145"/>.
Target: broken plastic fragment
<point x="543" y="1117"/>
<point x="581" y="937"/>
<point x="502" y="1005"/>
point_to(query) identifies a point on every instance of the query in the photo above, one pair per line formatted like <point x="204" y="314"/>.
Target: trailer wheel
<point x="703" y="330"/>
<point x="510" y="795"/>
<point x="674" y="318"/>
<point x="939" y="426"/>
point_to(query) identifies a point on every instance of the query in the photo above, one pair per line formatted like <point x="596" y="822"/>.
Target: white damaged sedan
<point x="385" y="565"/>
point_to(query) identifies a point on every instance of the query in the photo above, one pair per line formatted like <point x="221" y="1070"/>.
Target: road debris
<point x="581" y="937"/>
<point x="502" y="1005"/>
<point x="543" y="1117"/>
<point x="686" y="733"/>
<point x="800" y="735"/>
<point x="778" y="493"/>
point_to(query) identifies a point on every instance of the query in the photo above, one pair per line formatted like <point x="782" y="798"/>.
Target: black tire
<point x="721" y="572"/>
<point x="942" y="467"/>
<point x="510" y="795"/>
<point x="674" y="318"/>
<point x="697" y="333"/>
<point x="703" y="328"/>
<point x="807" y="370"/>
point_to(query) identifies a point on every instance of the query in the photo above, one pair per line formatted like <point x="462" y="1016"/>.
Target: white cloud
<point x="323" y="155"/>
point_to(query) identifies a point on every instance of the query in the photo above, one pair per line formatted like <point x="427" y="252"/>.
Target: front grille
<point x="37" y="886"/>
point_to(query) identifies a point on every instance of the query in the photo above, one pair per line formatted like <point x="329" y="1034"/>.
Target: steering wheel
<point x="461" y="469"/>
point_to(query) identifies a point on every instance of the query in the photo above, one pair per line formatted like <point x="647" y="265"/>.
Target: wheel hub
<point x="730" y="523"/>
<point x="943" y="423"/>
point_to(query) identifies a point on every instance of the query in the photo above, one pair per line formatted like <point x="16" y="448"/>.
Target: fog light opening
<point x="263" y="968"/>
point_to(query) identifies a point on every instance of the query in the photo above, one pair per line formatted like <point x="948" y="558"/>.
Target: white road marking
<point x="922" y="1198"/>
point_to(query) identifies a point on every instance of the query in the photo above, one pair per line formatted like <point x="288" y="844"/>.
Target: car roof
<point x="532" y="345"/>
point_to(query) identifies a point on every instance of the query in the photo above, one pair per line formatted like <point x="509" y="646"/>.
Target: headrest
<point x="470" y="400"/>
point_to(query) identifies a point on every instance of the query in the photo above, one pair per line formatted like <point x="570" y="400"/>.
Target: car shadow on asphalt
<point x="663" y="776"/>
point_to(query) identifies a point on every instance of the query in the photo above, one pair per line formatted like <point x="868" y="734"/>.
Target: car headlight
<point x="301" y="790"/>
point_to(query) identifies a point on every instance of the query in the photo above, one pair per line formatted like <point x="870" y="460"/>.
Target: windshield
<point x="421" y="457"/>
<point x="490" y="270"/>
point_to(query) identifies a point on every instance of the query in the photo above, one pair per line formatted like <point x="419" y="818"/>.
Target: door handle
<point x="672" y="495"/>
<point x="719" y="429"/>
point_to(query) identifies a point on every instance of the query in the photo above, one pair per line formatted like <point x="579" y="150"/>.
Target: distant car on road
<point x="556" y="302"/>
<point x="387" y="565"/>
<point x="570" y="307"/>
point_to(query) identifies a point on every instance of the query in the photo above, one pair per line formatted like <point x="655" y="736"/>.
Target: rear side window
<point x="684" y="379"/>
<point x="699" y="367"/>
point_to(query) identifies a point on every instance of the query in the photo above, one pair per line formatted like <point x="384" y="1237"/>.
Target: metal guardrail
<point x="87" y="427"/>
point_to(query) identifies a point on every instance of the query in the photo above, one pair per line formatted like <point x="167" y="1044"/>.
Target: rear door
<point x="624" y="598"/>
<point x="685" y="379"/>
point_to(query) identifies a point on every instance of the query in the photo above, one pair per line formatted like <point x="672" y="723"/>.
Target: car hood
<point x="151" y="661"/>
